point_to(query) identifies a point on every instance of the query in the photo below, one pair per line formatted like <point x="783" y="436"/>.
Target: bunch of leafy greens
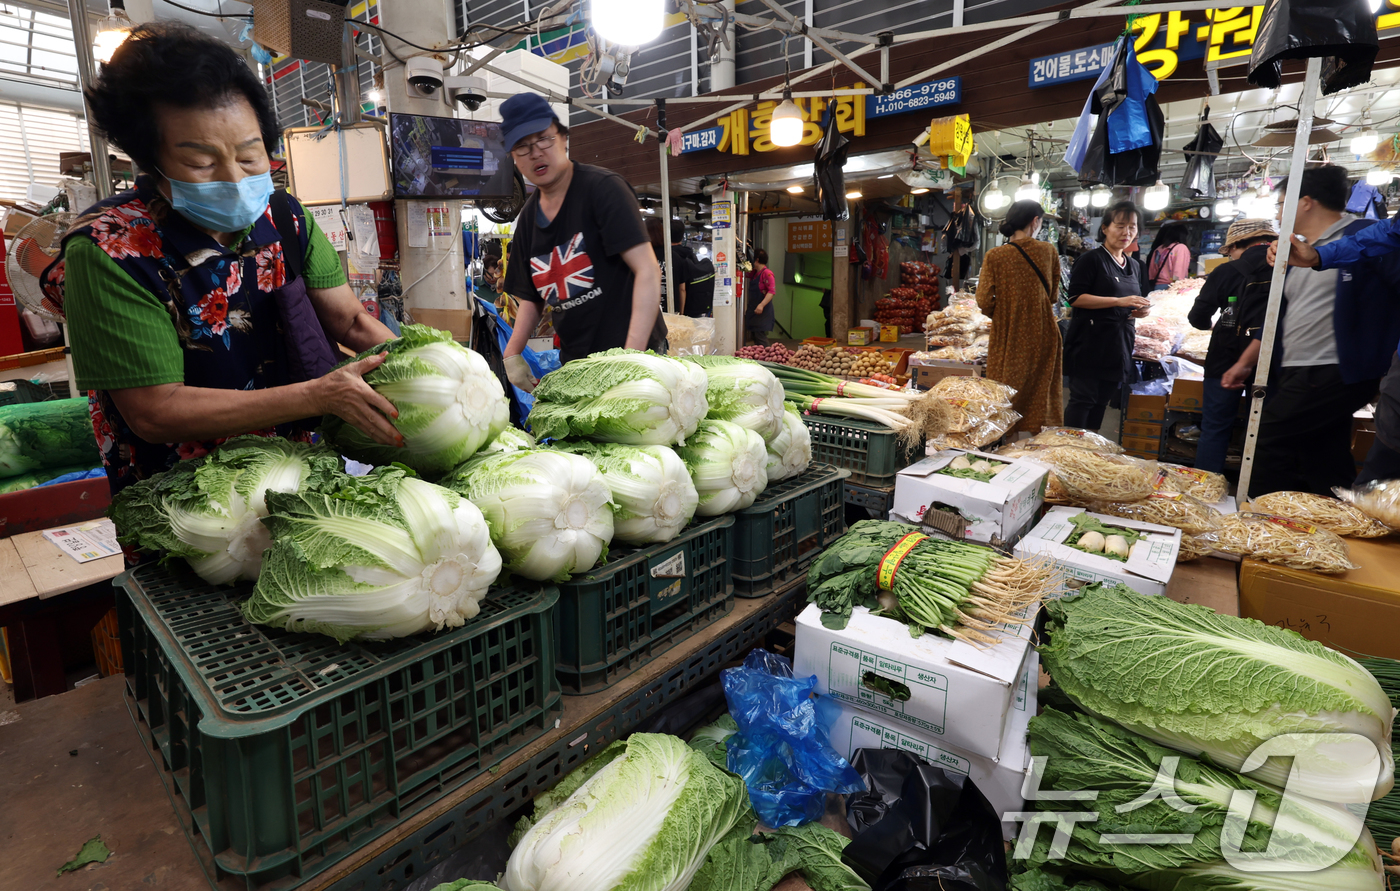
<point x="652" y="493"/>
<point x="959" y="589"/>
<point x="728" y="464"/>
<point x="621" y="396"/>
<point x="642" y="814"/>
<point x="1143" y="788"/>
<point x="1206" y="684"/>
<point x="209" y="510"/>
<point x="743" y="392"/>
<point x="790" y="452"/>
<point x="36" y="435"/>
<point x="449" y="403"/>
<point x="743" y="861"/>
<point x="380" y="556"/>
<point x="1383" y="816"/>
<point x="550" y="512"/>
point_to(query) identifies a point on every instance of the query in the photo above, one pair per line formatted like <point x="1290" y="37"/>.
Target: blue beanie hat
<point x="524" y="114"/>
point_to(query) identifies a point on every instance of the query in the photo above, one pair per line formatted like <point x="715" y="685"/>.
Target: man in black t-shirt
<point x="579" y="247"/>
<point x="695" y="278"/>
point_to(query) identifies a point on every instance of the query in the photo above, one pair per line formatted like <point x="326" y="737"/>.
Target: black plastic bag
<point x="1201" y="152"/>
<point x="1126" y="146"/>
<point x="830" y="174"/>
<point x="1343" y="34"/>
<point x="921" y="828"/>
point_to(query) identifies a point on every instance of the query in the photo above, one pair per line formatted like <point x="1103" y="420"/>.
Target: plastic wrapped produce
<point x="1281" y="540"/>
<point x="1379" y="500"/>
<point x="1330" y="513"/>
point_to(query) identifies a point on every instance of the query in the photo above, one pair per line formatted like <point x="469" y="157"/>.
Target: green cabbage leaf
<point x="621" y="396"/>
<point x="37" y="435"/>
<point x="743" y="392"/>
<point x="728" y="464"/>
<point x="790" y="452"/>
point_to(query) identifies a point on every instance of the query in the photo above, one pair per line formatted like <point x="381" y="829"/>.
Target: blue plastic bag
<point x="782" y="750"/>
<point x="540" y="363"/>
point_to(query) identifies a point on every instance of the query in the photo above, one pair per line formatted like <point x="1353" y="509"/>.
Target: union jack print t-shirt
<point x="574" y="264"/>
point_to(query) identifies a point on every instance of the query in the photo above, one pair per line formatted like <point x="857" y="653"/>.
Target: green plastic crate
<point x="787" y="528"/>
<point x="641" y="602"/>
<point x="285" y="752"/>
<point x="870" y="451"/>
<point x="877" y="500"/>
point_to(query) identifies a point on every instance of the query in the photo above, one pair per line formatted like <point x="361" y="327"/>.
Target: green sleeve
<point x="120" y="333"/>
<point x="323" y="269"/>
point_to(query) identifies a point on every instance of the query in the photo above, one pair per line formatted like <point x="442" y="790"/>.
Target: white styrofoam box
<point x="957" y="693"/>
<point x="1147" y="570"/>
<point x="540" y="72"/>
<point x="1005" y="507"/>
<point x="1000" y="779"/>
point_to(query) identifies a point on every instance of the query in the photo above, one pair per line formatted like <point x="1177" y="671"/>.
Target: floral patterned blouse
<point x="151" y="299"/>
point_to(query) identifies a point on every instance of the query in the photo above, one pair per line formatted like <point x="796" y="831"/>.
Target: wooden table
<point x="42" y="592"/>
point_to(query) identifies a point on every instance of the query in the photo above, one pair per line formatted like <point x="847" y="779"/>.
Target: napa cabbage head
<point x="743" y="392"/>
<point x="209" y="510"/>
<point x="380" y="556"/>
<point x="653" y="495"/>
<point x="644" y="821"/>
<point x="450" y="404"/>
<point x="728" y="464"/>
<point x="621" y="396"/>
<point x="790" y="452"/>
<point x="511" y="439"/>
<point x="1206" y="684"/>
<point x="550" y="512"/>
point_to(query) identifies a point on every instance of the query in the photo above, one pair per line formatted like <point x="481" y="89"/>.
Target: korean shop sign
<point x="745" y="130"/>
<point x="809" y="234"/>
<point x="1163" y="40"/>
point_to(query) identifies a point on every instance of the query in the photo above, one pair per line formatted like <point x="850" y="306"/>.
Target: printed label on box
<point x="875" y="676"/>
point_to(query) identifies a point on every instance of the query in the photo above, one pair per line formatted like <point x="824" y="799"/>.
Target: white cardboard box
<point x="1004" y="508"/>
<point x="1149" y="566"/>
<point x="958" y="694"/>
<point x="1000" y="779"/>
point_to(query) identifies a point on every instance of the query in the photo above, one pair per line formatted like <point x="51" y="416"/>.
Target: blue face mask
<point x="222" y="206"/>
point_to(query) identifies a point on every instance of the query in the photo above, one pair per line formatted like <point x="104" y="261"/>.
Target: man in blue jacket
<point x="1336" y="340"/>
<point x="1368" y="245"/>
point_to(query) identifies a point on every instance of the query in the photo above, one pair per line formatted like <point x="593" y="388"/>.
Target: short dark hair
<point x="677" y="231"/>
<point x="1327" y="185"/>
<point x="1020" y="215"/>
<point x="1116" y="213"/>
<point x="760" y="256"/>
<point x="173" y="65"/>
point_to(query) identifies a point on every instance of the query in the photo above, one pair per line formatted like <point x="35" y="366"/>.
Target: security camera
<point x="424" y="73"/>
<point x="470" y="91"/>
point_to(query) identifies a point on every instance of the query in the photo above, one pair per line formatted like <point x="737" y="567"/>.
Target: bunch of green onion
<point x="964" y="591"/>
<point x="1383" y="817"/>
<point x="915" y="416"/>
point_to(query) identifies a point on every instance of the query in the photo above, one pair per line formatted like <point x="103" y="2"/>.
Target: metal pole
<point x="821" y="41"/>
<point x="97" y="143"/>
<point x="665" y="151"/>
<point x="1307" y="102"/>
<point x="722" y="68"/>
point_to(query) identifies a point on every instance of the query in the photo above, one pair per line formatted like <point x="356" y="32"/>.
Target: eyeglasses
<point x="525" y="148"/>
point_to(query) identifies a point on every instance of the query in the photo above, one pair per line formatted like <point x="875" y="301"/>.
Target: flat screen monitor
<point x="437" y="157"/>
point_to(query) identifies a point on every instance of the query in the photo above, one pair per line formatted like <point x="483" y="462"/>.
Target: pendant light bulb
<point x="629" y="22"/>
<point x="1081" y="198"/>
<point x="1224" y="209"/>
<point x="1157" y="196"/>
<point x="112" y="32"/>
<point x="1378" y="176"/>
<point x="1365" y="142"/>
<point x="1100" y="196"/>
<point x="1028" y="190"/>
<point x="994" y="198"/>
<point x="786" y="127"/>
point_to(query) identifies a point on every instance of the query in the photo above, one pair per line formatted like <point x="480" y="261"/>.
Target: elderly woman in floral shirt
<point x="202" y="304"/>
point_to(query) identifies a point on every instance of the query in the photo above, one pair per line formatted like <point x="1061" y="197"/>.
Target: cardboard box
<point x="1188" y="394"/>
<point x="860" y="336"/>
<point x="929" y="373"/>
<point x="1000" y="779"/>
<point x="1145" y="430"/>
<point x="957" y="694"/>
<point x="889" y="333"/>
<point x="1141" y="444"/>
<point x="1146" y="456"/>
<point x="1003" y="508"/>
<point x="457" y="322"/>
<point x="1363" y="436"/>
<point x="1355" y="612"/>
<point x="1147" y="570"/>
<point x="1145" y="408"/>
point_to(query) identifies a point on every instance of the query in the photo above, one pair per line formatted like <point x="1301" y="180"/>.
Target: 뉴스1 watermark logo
<point x="1332" y="767"/>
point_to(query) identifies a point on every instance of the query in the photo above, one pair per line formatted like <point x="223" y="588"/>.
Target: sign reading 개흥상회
<point x="1223" y="35"/>
<point x="808" y="235"/>
<point x="744" y="130"/>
